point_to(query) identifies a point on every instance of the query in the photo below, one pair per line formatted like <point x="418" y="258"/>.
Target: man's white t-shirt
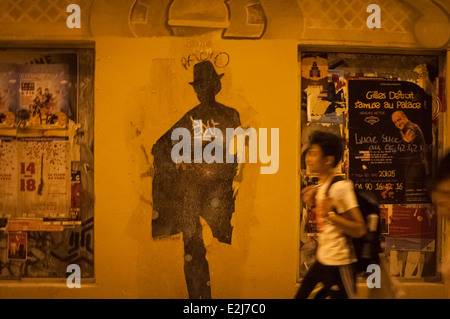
<point x="333" y="247"/>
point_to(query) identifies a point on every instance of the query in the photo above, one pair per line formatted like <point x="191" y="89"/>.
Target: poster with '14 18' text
<point x="43" y="177"/>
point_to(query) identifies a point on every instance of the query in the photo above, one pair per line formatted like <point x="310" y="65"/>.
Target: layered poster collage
<point x="35" y="163"/>
<point x="387" y="124"/>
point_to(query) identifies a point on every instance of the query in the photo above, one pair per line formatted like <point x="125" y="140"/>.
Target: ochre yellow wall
<point x="142" y="85"/>
<point x="141" y="89"/>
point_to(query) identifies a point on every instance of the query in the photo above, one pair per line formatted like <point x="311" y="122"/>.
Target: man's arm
<point x="408" y="137"/>
<point x="351" y="222"/>
<point x="350" y="219"/>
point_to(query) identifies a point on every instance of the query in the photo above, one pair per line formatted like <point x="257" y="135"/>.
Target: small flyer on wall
<point x="314" y="83"/>
<point x="337" y="96"/>
<point x="44" y="187"/>
<point x="326" y="90"/>
<point x="76" y="189"/>
<point x="310" y="211"/>
<point x="44" y="102"/>
<point x="384" y="219"/>
<point x="17" y="246"/>
<point x="390" y="139"/>
<point x="8" y="176"/>
<point x="32" y="224"/>
<point x="9" y="98"/>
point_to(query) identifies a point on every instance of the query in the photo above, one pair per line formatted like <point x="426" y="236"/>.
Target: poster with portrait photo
<point x="390" y="140"/>
<point x="17" y="246"/>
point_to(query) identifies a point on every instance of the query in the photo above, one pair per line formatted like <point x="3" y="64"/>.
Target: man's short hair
<point x="329" y="143"/>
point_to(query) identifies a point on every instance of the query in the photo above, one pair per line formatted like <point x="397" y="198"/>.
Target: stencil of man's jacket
<point x="184" y="192"/>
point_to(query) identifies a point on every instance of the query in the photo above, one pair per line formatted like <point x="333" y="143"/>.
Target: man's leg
<point x="196" y="268"/>
<point x="340" y="281"/>
<point x="312" y="277"/>
<point x="322" y="293"/>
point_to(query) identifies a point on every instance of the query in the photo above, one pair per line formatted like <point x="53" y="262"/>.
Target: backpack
<point x="367" y="248"/>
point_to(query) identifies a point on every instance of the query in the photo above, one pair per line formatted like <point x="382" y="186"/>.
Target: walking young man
<point x="338" y="217"/>
<point x="441" y="198"/>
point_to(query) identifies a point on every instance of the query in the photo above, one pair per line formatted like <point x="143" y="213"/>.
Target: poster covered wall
<point x="390" y="129"/>
<point x="34" y="145"/>
<point x="41" y="231"/>
<point x="390" y="139"/>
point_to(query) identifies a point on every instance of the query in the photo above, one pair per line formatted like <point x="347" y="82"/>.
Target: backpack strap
<point x="335" y="179"/>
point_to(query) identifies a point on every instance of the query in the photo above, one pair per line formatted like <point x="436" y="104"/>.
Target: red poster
<point x="17" y="246"/>
<point x="412" y="227"/>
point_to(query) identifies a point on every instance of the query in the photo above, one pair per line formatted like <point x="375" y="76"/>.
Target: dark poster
<point x="390" y="139"/>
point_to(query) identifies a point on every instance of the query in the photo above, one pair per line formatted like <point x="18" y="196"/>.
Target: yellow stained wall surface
<point x="141" y="90"/>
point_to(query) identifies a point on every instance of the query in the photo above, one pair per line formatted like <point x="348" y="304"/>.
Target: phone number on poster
<point x="379" y="186"/>
<point x="407" y="148"/>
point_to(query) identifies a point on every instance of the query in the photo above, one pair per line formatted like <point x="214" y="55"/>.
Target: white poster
<point x="44" y="177"/>
<point x="8" y="176"/>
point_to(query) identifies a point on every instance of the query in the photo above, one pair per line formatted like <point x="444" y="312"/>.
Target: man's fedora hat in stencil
<point x="204" y="71"/>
